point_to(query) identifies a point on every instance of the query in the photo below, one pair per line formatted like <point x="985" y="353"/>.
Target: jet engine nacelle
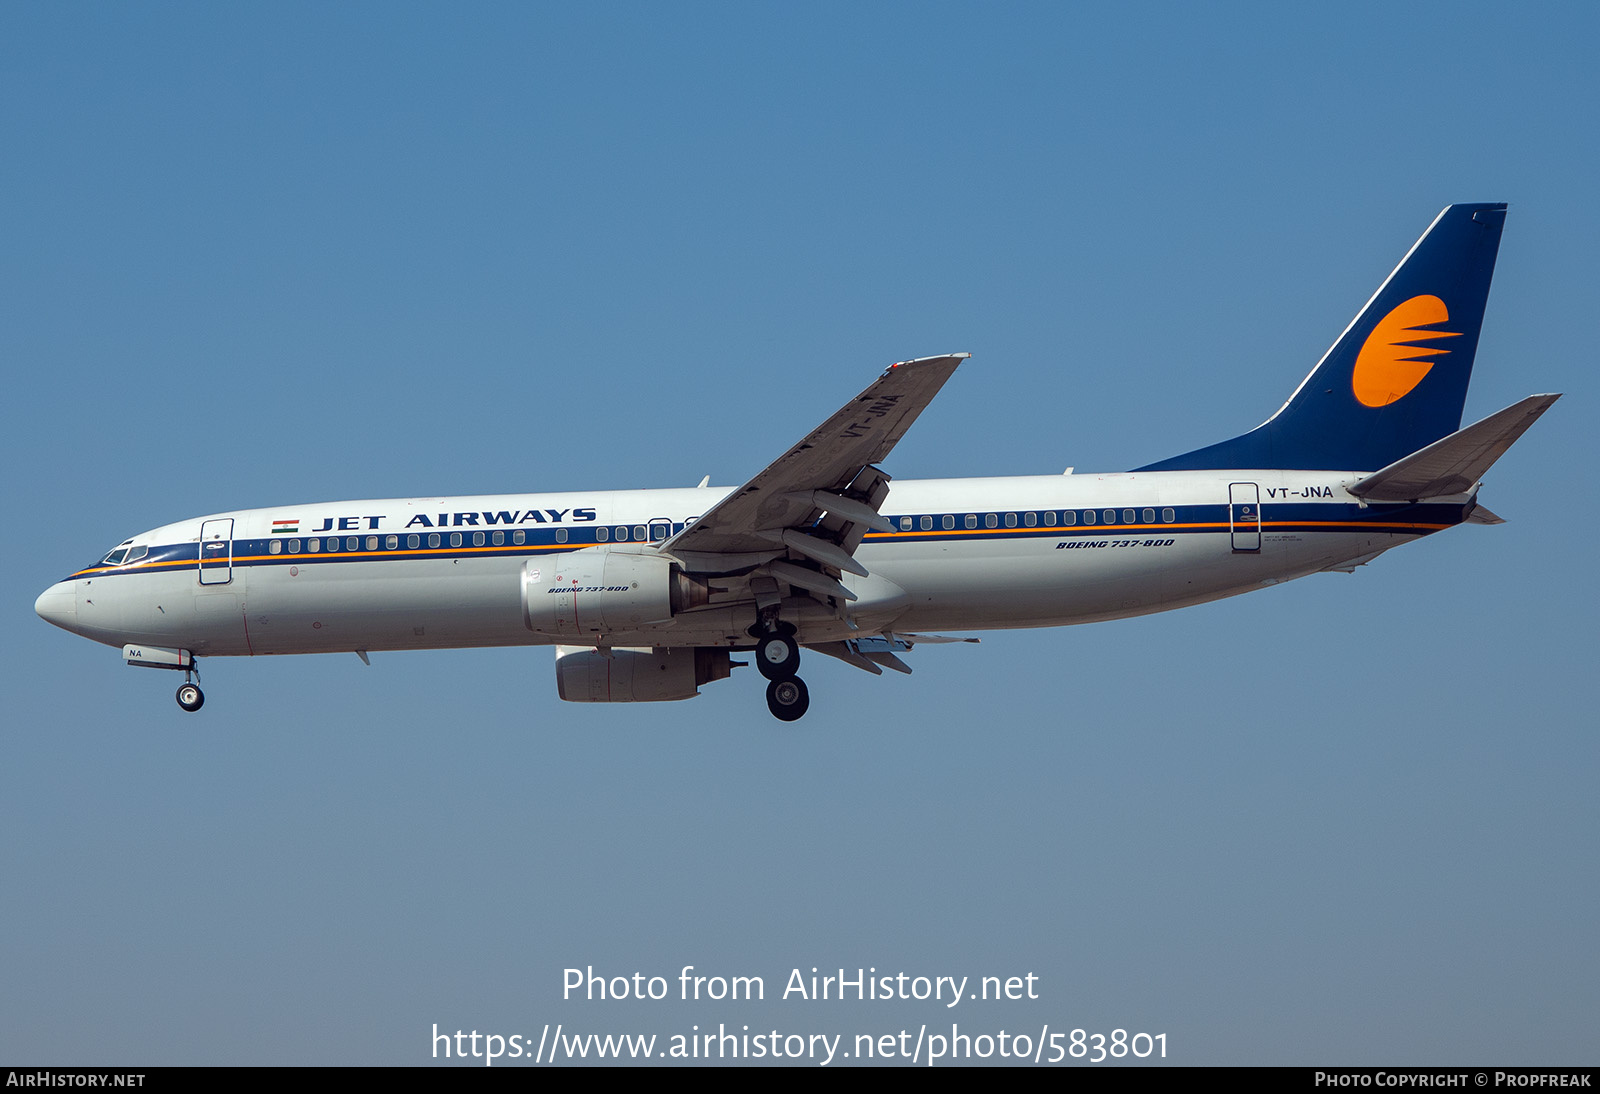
<point x="637" y="675"/>
<point x="597" y="592"/>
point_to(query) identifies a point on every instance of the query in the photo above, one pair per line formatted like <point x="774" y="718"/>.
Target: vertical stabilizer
<point x="1396" y="380"/>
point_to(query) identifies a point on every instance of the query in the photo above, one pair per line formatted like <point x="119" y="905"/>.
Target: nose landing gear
<point x="190" y="697"/>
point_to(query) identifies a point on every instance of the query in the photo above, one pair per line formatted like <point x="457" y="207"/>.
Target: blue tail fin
<point x="1396" y="380"/>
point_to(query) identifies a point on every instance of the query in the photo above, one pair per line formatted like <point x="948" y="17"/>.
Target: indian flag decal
<point x="286" y="527"/>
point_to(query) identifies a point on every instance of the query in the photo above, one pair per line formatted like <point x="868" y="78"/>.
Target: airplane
<point x="646" y="595"/>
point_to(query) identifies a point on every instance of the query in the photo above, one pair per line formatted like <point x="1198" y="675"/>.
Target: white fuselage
<point x="966" y="554"/>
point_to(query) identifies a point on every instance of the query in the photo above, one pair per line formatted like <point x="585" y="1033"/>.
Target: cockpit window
<point x="135" y="554"/>
<point x="115" y="557"/>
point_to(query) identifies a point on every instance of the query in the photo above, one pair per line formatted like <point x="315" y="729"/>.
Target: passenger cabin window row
<point x="1036" y="519"/>
<point x="415" y="541"/>
<point x="332" y="544"/>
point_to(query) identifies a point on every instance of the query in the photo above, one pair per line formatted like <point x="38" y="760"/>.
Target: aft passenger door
<point x="216" y="552"/>
<point x="1244" y="515"/>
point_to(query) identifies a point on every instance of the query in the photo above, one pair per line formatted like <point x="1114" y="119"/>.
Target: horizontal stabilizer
<point x="1482" y="515"/>
<point x="1454" y="464"/>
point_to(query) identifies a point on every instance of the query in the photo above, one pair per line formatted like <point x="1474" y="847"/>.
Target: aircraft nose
<point x="59" y="605"/>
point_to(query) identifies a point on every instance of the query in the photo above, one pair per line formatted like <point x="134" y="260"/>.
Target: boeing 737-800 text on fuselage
<point x="647" y="594"/>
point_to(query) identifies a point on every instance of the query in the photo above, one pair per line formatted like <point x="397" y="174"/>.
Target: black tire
<point x="777" y="657"/>
<point x="788" y="699"/>
<point x="191" y="698"/>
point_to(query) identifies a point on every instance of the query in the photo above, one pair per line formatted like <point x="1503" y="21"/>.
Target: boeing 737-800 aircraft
<point x="647" y="594"/>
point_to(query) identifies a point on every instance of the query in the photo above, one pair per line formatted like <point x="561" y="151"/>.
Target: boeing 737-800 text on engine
<point x="647" y="594"/>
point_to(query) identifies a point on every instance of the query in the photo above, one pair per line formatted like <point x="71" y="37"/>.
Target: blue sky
<point x="259" y="255"/>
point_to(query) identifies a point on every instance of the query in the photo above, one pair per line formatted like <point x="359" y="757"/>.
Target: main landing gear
<point x="788" y="699"/>
<point x="778" y="659"/>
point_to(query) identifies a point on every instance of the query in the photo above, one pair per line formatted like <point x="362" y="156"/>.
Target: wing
<point x="820" y="497"/>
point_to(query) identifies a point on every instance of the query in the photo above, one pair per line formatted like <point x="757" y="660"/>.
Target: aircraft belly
<point x="392" y="604"/>
<point x="1034" y="582"/>
<point x="982" y="588"/>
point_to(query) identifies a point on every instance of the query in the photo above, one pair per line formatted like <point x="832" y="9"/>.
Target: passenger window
<point x="561" y="535"/>
<point x="455" y="539"/>
<point x="519" y="537"/>
<point x="927" y="524"/>
<point x="392" y="542"/>
<point x="1050" y="519"/>
<point x="905" y="524"/>
<point x="477" y="539"/>
<point x="353" y="543"/>
<point x="1011" y="520"/>
<point x="1108" y="517"/>
<point x="638" y="533"/>
<point x="313" y="545"/>
<point x="413" y="541"/>
<point x="658" y="531"/>
<point x="1149" y="516"/>
<point x="1168" y="516"/>
<point x="949" y="522"/>
<point x="294" y="546"/>
<point x="275" y="547"/>
<point x="992" y="521"/>
<point x="622" y="534"/>
<point x="1030" y="519"/>
<point x="972" y="520"/>
<point x="433" y="539"/>
<point x="498" y="539"/>
<point x="1069" y="517"/>
<point x="1127" y="516"/>
<point x="1088" y="516"/>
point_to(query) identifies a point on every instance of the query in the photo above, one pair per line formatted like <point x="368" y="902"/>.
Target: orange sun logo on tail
<point x="1389" y="365"/>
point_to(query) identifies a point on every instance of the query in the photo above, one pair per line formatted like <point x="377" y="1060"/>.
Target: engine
<point x="582" y="594"/>
<point x="637" y="675"/>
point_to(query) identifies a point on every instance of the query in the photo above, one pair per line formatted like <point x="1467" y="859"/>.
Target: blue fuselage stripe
<point x="1417" y="519"/>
